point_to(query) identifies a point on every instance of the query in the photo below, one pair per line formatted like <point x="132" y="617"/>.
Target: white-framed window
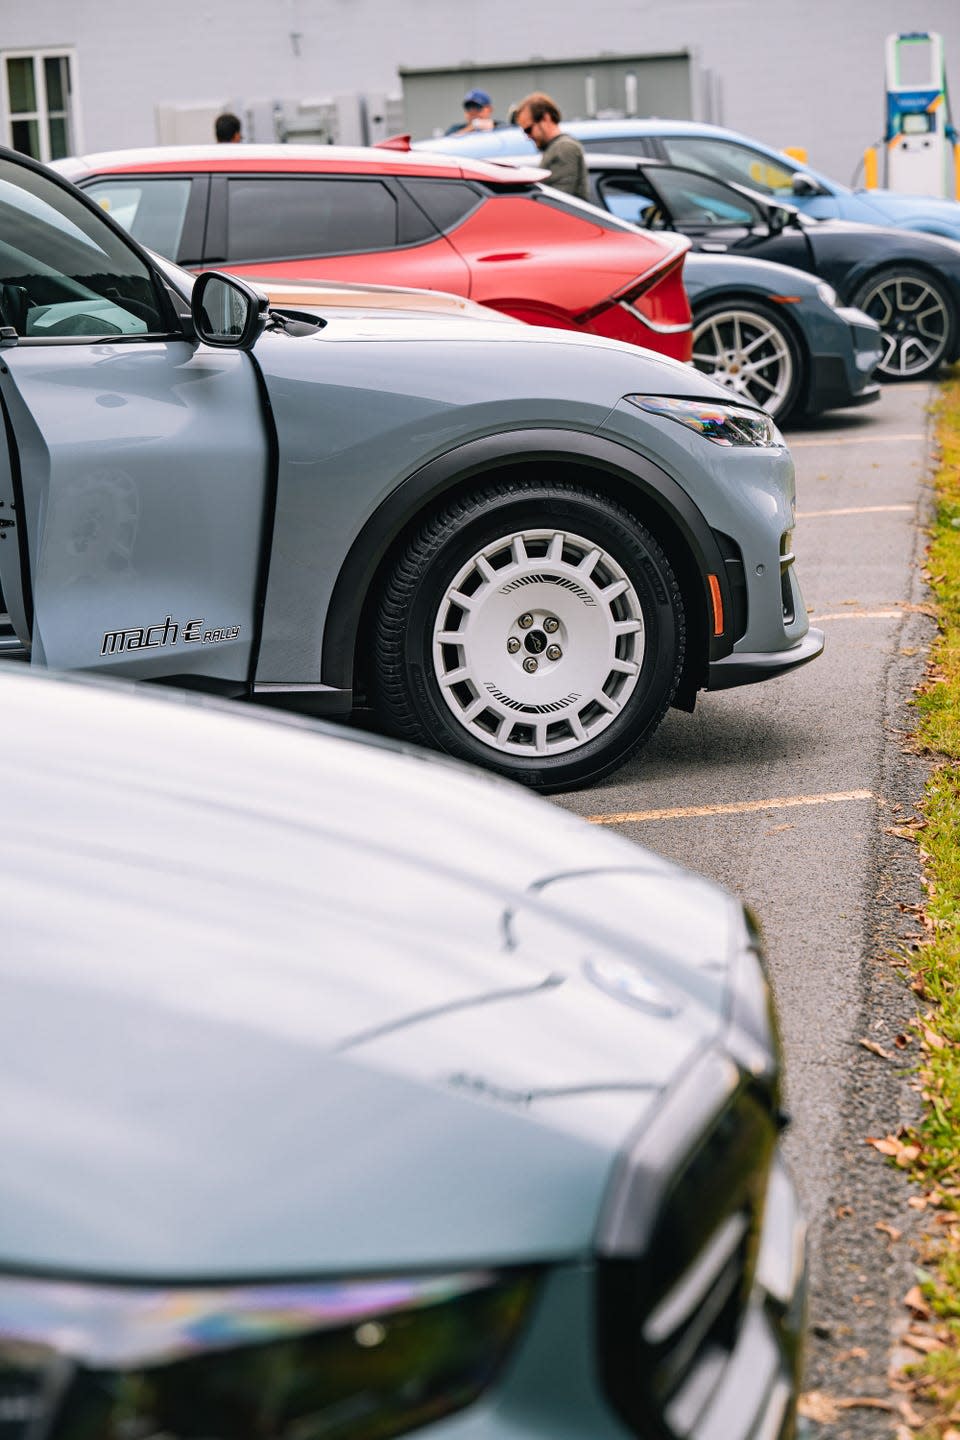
<point x="38" y="90"/>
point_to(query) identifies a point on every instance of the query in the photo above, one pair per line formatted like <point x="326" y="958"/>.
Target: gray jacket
<point x="564" y="159"/>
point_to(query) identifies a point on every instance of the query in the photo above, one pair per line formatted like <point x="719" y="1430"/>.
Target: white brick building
<point x="95" y="74"/>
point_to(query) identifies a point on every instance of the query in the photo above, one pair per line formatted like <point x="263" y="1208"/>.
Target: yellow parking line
<point x="879" y="439"/>
<point x="852" y="510"/>
<point x="857" y="615"/>
<point x="739" y="807"/>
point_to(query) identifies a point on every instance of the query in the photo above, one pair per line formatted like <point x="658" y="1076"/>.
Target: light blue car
<point x="730" y="156"/>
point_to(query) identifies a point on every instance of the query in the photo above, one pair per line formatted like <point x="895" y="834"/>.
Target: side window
<point x="727" y="161"/>
<point x="281" y="218"/>
<point x="447" y="202"/>
<point x="575" y="208"/>
<point x="697" y="200"/>
<point x="627" y="196"/>
<point x="63" y="272"/>
<point x="624" y="145"/>
<point x="152" y="210"/>
<point x="37" y="97"/>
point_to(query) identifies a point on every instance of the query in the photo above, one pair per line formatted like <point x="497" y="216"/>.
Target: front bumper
<point x="843" y="375"/>
<point x="550" y="1386"/>
<point x="756" y="1398"/>
<point x="748" y="668"/>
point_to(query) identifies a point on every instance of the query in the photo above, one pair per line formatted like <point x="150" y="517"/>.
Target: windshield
<point x="766" y="172"/>
<point x="64" y="273"/>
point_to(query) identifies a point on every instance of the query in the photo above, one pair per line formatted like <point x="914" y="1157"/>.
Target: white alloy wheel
<point x="532" y="625"/>
<point x="914" y="316"/>
<point x="748" y="353"/>
<point x="538" y="642"/>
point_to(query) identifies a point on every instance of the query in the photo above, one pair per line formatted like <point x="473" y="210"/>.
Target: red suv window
<point x="280" y="216"/>
<point x="447" y="202"/>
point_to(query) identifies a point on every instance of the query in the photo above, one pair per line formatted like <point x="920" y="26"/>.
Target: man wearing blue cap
<point x="477" y="114"/>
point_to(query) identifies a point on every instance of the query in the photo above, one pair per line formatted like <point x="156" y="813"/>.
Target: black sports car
<point x="908" y="282"/>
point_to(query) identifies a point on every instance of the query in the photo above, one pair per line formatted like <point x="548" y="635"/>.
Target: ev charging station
<point x="922" y="156"/>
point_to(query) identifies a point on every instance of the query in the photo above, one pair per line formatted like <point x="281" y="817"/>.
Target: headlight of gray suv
<point x="363" y="1360"/>
<point x="734" y="425"/>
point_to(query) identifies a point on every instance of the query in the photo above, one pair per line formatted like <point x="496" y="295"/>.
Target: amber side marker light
<point x="717" y="601"/>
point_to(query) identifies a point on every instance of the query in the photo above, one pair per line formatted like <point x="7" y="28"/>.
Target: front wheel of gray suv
<point x="536" y="629"/>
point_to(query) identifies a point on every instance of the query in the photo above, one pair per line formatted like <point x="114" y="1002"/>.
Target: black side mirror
<point x="227" y="312"/>
<point x="804" y="184"/>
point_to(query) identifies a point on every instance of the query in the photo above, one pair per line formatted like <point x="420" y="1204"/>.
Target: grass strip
<point x="935" y="964"/>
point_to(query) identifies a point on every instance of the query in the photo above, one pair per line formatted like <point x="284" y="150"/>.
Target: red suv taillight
<point x="652" y="310"/>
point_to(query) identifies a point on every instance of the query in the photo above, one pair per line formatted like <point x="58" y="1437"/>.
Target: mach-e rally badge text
<point x="168" y="632"/>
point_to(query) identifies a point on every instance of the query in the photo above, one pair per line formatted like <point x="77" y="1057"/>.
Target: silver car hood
<point x="259" y="978"/>
<point x="561" y="376"/>
<point x="380" y="325"/>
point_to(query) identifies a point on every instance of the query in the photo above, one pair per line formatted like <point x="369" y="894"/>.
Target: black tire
<point x="914" y="310"/>
<point x="771" y="373"/>
<point x="524" y="553"/>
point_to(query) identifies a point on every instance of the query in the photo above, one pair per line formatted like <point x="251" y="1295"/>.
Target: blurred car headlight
<point x="828" y="295"/>
<point x="722" y="424"/>
<point x="360" y="1360"/>
<point x="754" y="1035"/>
<point x="678" y="1246"/>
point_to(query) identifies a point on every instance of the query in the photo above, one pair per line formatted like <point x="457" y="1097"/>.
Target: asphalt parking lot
<point x="786" y="792"/>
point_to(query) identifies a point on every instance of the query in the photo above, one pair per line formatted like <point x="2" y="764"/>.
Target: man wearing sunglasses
<point x="539" y="118"/>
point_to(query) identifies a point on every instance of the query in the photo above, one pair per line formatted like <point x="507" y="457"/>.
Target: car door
<point x="719" y="218"/>
<point x="330" y="227"/>
<point x="626" y="194"/>
<point x="134" y="462"/>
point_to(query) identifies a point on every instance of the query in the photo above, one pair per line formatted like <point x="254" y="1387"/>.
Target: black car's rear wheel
<point x="533" y="628"/>
<point x="751" y="351"/>
<point x="915" y="315"/>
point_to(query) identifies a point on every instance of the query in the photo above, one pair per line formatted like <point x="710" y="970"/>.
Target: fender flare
<point x="633" y="474"/>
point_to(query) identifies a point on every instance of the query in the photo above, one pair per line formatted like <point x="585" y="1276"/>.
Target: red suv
<point x="489" y="232"/>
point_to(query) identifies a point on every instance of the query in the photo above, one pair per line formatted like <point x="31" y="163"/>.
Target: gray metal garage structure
<point x="601" y="85"/>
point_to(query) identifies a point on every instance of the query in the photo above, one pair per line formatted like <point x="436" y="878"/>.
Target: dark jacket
<point x="564" y="159"/>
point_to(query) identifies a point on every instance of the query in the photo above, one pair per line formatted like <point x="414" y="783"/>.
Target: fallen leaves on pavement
<point x="914" y="1301"/>
<point x="827" y="1409"/>
<point x="924" y="1341"/>
<point x="876" y="1049"/>
<point x="899" y="1151"/>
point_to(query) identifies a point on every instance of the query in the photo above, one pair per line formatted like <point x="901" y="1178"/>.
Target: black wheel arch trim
<point x="447" y="473"/>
